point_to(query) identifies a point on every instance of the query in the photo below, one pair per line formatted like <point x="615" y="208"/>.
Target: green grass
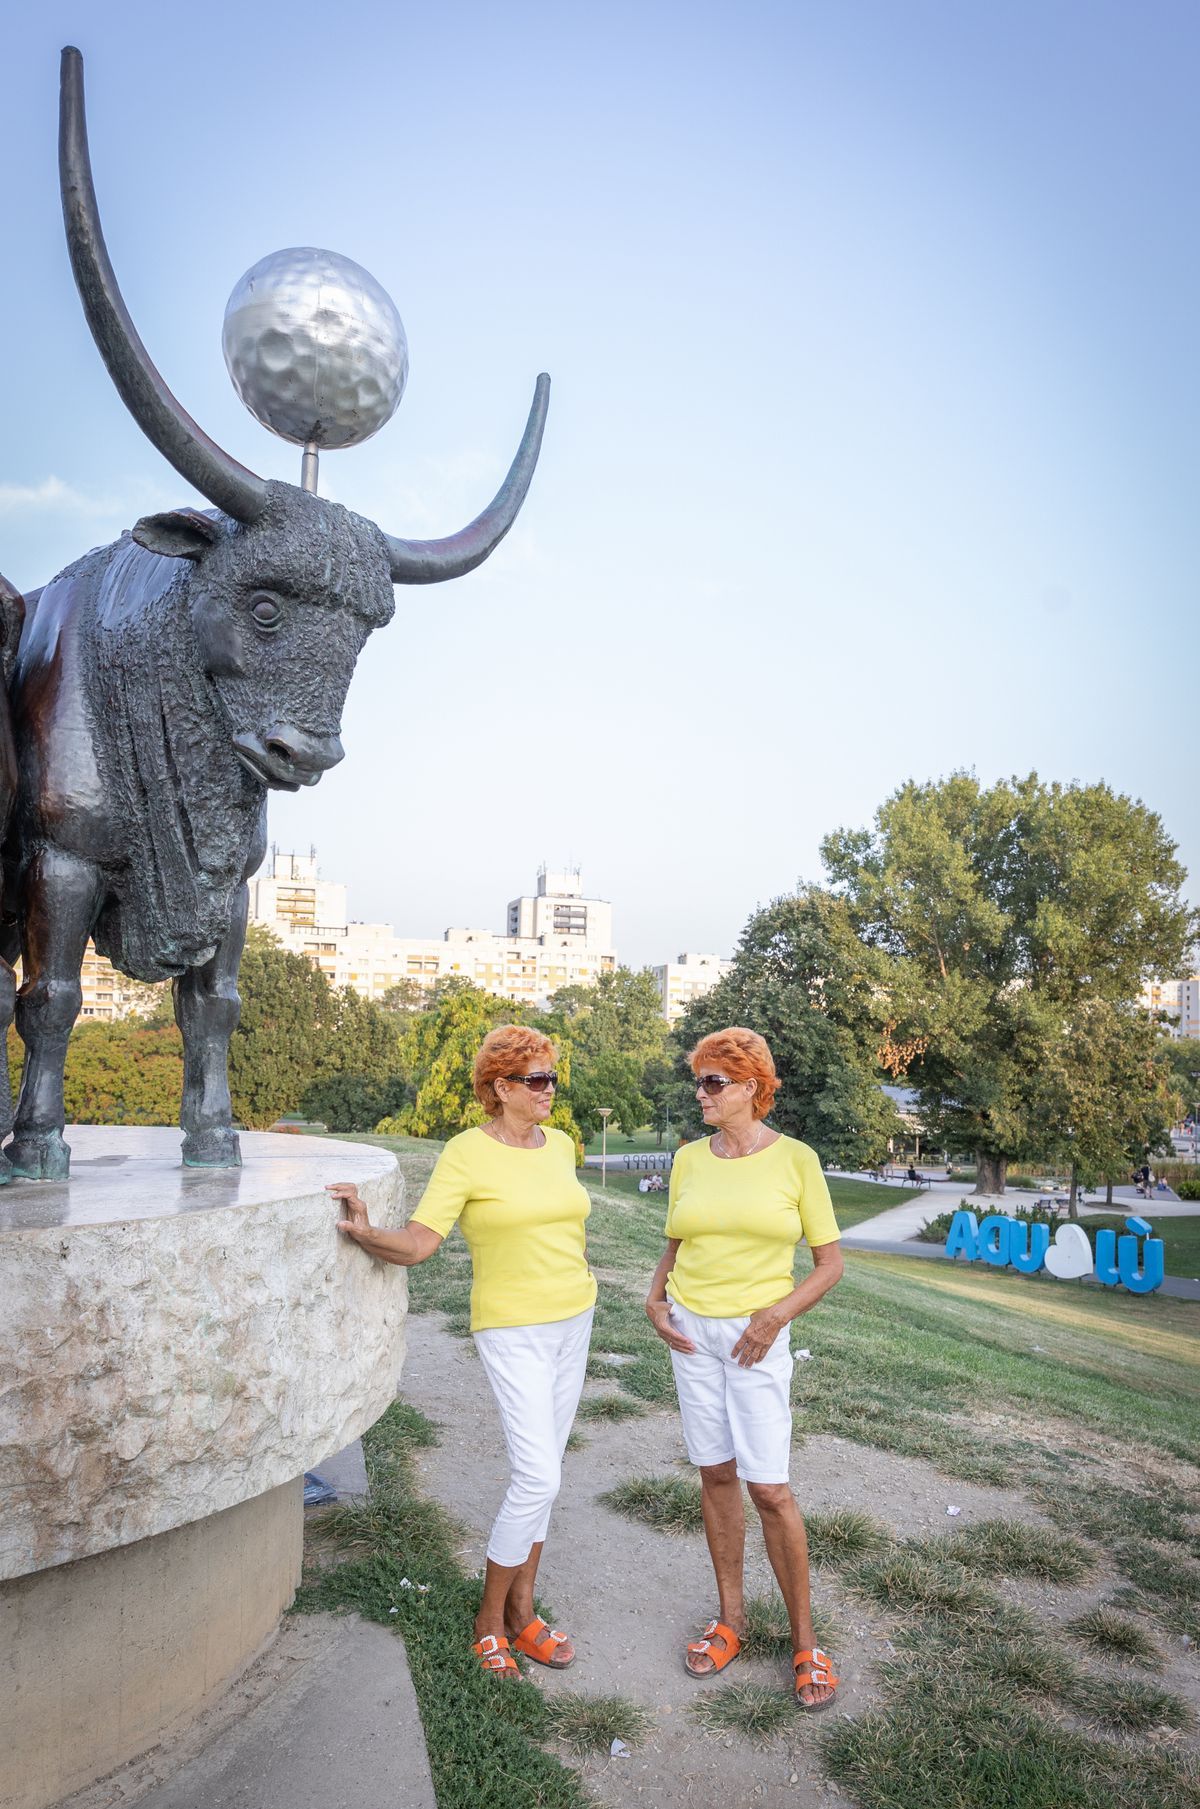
<point x="483" y="1736"/>
<point x="587" y="1724"/>
<point x="750" y="1709"/>
<point x="1110" y="1633"/>
<point x="957" y="1747"/>
<point x="769" y="1635"/>
<point x="610" y="1407"/>
<point x="910" y="1580"/>
<point x="1015" y="1550"/>
<point x="840" y="1535"/>
<point x="670" y="1503"/>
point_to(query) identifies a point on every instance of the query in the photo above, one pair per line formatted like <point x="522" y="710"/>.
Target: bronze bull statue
<point x="160" y="688"/>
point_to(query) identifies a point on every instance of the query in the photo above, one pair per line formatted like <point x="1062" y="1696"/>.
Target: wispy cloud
<point x="54" y="497"/>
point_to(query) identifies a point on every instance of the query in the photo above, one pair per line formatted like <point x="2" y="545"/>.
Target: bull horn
<point x="168" y="426"/>
<point x="429" y="561"/>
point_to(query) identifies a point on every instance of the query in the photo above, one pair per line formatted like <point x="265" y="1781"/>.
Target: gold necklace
<point x="736" y="1155"/>
<point x="504" y="1140"/>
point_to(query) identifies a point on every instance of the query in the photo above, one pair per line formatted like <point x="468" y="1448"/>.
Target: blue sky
<point x="874" y="435"/>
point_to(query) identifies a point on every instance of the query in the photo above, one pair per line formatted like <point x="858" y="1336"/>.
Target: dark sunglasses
<point x="537" y="1083"/>
<point x="713" y="1083"/>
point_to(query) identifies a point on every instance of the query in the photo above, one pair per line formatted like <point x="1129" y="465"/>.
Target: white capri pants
<point x="536" y="1373"/>
<point x="728" y="1411"/>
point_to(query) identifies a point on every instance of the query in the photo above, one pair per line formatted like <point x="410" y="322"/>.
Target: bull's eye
<point x="266" y="611"/>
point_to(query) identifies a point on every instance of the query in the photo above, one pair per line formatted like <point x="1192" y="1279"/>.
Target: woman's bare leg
<point x="787" y="1548"/>
<point x="725" y="1531"/>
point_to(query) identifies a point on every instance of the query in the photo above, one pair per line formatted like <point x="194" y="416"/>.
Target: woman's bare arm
<point x="408" y="1247"/>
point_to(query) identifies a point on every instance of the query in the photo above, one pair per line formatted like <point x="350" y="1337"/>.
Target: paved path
<point x="325" y="1718"/>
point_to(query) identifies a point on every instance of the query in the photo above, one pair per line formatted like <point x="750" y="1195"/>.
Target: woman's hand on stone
<point x="658" y="1312"/>
<point x="758" y="1337"/>
<point x="356" y="1221"/>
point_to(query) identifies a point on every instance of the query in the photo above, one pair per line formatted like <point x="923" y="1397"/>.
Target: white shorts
<point x="536" y="1373"/>
<point x="731" y="1412"/>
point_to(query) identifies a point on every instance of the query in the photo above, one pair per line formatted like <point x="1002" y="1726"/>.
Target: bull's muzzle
<point x="286" y="758"/>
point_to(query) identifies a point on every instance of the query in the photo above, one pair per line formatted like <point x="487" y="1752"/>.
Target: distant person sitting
<point x="914" y="1177"/>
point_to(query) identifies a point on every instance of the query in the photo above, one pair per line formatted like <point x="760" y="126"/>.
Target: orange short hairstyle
<point x="506" y="1050"/>
<point x="743" y="1055"/>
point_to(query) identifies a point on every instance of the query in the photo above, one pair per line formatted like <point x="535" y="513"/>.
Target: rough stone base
<point x="101" y="1658"/>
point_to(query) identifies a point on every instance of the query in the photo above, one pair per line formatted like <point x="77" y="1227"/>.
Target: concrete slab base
<point x="102" y="1658"/>
<point x="325" y="1719"/>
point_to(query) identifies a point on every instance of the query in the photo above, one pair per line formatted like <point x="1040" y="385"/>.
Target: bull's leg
<point x="61" y="894"/>
<point x="8" y="1000"/>
<point x="206" y="1009"/>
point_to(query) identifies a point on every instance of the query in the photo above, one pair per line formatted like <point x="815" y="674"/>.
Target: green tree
<point x="805" y="982"/>
<point x="284" y="1040"/>
<point x="124" y="1073"/>
<point x="1105" y="1094"/>
<point x="610" y="1080"/>
<point x="437" y="1051"/>
<point x="362" y="1079"/>
<point x="620" y="1015"/>
<point x="995" y="912"/>
<point x="1182" y="1056"/>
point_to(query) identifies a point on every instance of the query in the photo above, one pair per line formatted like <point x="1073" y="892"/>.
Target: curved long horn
<point x="168" y="426"/>
<point x="429" y="561"/>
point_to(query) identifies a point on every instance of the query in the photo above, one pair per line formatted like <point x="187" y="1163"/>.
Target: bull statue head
<point x="161" y="686"/>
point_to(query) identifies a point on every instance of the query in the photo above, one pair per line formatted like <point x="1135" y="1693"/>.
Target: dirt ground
<point x="630" y="1597"/>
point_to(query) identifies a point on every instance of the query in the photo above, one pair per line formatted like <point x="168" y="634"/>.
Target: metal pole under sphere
<point x="309" y="464"/>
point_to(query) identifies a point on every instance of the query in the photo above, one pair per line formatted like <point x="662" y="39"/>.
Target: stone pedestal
<point x="176" y="1347"/>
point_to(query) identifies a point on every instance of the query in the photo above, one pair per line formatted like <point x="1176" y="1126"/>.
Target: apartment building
<point x="1179" y="1000"/>
<point x="687" y="978"/>
<point x="561" y="938"/>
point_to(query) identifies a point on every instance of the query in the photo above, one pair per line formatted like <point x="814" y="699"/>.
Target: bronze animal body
<point x="162" y="686"/>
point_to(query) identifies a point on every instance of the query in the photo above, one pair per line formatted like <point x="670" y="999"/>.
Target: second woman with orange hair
<point x="722" y="1298"/>
<point x="510" y="1186"/>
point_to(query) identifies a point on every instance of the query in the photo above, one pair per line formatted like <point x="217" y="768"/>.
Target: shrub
<point x="1188" y="1190"/>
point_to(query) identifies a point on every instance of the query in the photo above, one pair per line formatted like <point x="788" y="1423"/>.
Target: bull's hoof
<point x="39" y="1156"/>
<point x="6" y="1173"/>
<point x="212" y="1149"/>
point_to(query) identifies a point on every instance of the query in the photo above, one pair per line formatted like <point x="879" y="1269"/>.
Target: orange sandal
<point x="494" y="1655"/>
<point x="814" y="1667"/>
<point x="721" y="1656"/>
<point x="540" y="1642"/>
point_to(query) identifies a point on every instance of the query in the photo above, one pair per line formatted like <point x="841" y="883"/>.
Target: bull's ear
<point x="179" y="534"/>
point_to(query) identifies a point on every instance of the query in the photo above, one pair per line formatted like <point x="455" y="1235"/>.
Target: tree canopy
<point x="997" y="914"/>
<point x="804" y="981"/>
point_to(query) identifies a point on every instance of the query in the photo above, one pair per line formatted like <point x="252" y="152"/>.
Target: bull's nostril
<point x="280" y="750"/>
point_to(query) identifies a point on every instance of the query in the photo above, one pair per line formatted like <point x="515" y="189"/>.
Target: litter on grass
<point x="618" y="1750"/>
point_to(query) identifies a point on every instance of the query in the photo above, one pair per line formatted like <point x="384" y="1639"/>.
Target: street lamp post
<point x="605" y="1115"/>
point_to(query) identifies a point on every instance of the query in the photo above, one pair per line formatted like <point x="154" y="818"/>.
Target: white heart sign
<point x="1070" y="1255"/>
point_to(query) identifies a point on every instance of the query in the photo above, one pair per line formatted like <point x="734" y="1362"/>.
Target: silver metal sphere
<point x="315" y="347"/>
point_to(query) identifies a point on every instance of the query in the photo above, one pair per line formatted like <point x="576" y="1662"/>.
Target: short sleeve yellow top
<point x="738" y="1223"/>
<point x="522" y="1212"/>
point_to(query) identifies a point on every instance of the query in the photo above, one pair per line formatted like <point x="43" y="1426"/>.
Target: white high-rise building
<point x="685" y="979"/>
<point x="564" y="939"/>
<point x="1179" y="1000"/>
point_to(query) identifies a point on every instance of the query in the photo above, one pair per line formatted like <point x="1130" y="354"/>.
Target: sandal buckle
<point x="489" y="1644"/>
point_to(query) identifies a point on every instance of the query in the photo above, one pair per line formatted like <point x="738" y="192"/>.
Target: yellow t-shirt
<point x="522" y="1213"/>
<point x="738" y="1223"/>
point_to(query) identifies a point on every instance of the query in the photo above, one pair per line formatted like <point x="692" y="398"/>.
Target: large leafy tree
<point x="361" y="1077"/>
<point x="997" y="913"/>
<point x="437" y="1052"/>
<point x="620" y="1015"/>
<point x="124" y="1073"/>
<point x="1105" y="1093"/>
<point x="805" y="982"/>
<point x="285" y="1034"/>
<point x="611" y="1080"/>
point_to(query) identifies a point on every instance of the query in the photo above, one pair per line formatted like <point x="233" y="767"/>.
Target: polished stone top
<point x="124" y="1172"/>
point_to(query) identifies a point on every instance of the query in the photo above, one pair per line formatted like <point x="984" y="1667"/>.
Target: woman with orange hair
<point x="722" y="1298"/>
<point x="510" y="1186"/>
